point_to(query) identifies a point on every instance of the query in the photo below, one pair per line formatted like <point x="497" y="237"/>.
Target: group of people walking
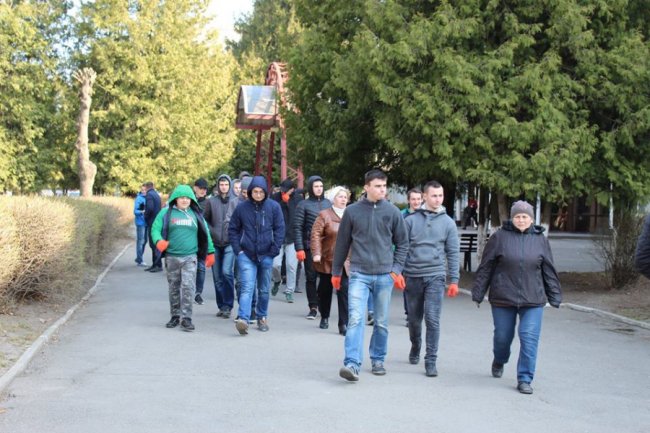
<point x="361" y="251"/>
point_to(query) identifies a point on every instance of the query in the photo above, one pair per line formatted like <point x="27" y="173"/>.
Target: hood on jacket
<point x="231" y="193"/>
<point x="533" y="229"/>
<point x="258" y="182"/>
<point x="182" y="191"/>
<point x="310" y="187"/>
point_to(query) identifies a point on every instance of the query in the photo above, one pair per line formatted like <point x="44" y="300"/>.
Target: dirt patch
<point x="591" y="289"/>
<point x="29" y="319"/>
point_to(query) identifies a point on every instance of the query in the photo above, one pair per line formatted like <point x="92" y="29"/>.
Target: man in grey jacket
<point x="433" y="253"/>
<point x="217" y="213"/>
<point x="368" y="231"/>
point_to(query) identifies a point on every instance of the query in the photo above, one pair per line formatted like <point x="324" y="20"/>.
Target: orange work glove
<point x="400" y="284"/>
<point x="285" y="197"/>
<point x="209" y="260"/>
<point x="162" y="245"/>
<point x="301" y="256"/>
<point x="336" y="282"/>
<point x="452" y="290"/>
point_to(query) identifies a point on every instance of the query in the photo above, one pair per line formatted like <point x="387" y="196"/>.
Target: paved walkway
<point x="116" y="368"/>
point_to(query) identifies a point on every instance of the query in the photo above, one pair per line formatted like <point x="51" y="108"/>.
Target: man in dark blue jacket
<point x="256" y="232"/>
<point x="151" y="209"/>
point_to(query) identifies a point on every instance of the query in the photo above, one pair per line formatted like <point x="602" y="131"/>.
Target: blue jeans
<point x="424" y="298"/>
<point x="360" y="287"/>
<point x="252" y="274"/>
<point x="223" y="276"/>
<point x="200" y="276"/>
<point x="530" y="326"/>
<point x="140" y="242"/>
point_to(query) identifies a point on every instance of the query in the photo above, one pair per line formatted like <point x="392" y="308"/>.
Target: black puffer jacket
<point x="306" y="213"/>
<point x="289" y="213"/>
<point x="518" y="269"/>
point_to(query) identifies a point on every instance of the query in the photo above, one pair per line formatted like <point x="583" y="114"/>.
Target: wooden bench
<point x="468" y="244"/>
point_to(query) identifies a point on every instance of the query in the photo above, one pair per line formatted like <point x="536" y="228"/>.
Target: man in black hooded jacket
<point x="306" y="213"/>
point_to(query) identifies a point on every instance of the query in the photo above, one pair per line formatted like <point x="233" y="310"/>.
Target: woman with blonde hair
<point x="323" y="240"/>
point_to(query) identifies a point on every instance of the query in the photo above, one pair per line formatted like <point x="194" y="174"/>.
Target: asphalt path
<point x="115" y="368"/>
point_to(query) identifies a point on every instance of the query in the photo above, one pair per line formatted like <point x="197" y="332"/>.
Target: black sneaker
<point x="275" y="288"/>
<point x="312" y="314"/>
<point x="524" y="388"/>
<point x="186" y="324"/>
<point x="371" y="319"/>
<point x="497" y="369"/>
<point x="324" y="323"/>
<point x="349" y="373"/>
<point x="414" y="355"/>
<point x="198" y="299"/>
<point x="148" y="269"/>
<point x="378" y="368"/>
<point x="430" y="370"/>
<point x="173" y="322"/>
<point x="343" y="329"/>
<point x="225" y="313"/>
<point x="156" y="269"/>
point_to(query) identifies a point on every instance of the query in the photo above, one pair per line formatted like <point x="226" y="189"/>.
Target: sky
<point x="225" y="13"/>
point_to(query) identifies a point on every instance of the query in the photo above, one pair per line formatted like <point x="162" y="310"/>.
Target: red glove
<point x="452" y="290"/>
<point x="162" y="245"/>
<point x="209" y="260"/>
<point x="301" y="256"/>
<point x="400" y="284"/>
<point x="336" y="282"/>
<point x="285" y="197"/>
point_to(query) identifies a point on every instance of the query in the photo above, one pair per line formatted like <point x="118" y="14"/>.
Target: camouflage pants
<point x="181" y="276"/>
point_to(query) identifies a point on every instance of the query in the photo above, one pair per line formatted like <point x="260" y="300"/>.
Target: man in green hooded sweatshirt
<point x="181" y="233"/>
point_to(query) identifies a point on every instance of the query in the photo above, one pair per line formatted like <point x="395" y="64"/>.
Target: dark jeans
<point x="424" y="298"/>
<point x="200" y="276"/>
<point x="325" y="297"/>
<point x="310" y="284"/>
<point x="530" y="327"/>
<point x="156" y="256"/>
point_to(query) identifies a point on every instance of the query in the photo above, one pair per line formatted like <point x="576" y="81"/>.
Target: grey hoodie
<point x="217" y="213"/>
<point x="433" y="240"/>
<point x="369" y="230"/>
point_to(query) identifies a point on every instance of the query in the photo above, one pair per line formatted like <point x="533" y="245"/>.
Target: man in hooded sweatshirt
<point x="180" y="232"/>
<point x="218" y="211"/>
<point x="288" y="200"/>
<point x="200" y="189"/>
<point x="256" y="233"/>
<point x="306" y="213"/>
<point x="433" y="254"/>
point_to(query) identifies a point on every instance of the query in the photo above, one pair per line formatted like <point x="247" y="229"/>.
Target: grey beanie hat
<point x="245" y="182"/>
<point x="521" y="207"/>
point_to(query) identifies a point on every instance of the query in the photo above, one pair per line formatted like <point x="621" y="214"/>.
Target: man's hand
<point x="452" y="290"/>
<point x="400" y="284"/>
<point x="315" y="259"/>
<point x="162" y="245"/>
<point x="301" y="256"/>
<point x="336" y="282"/>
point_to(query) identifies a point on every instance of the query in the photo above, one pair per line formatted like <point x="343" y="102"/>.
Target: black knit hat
<point x="286" y="185"/>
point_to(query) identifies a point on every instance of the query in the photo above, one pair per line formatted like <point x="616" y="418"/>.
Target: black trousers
<point x="311" y="276"/>
<point x="156" y="256"/>
<point x="325" y="297"/>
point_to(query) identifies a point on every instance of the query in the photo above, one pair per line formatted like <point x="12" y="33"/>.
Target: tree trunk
<point x="504" y="209"/>
<point x="87" y="170"/>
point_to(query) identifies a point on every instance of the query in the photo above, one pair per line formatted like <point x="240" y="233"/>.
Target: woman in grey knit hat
<point x="517" y="269"/>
